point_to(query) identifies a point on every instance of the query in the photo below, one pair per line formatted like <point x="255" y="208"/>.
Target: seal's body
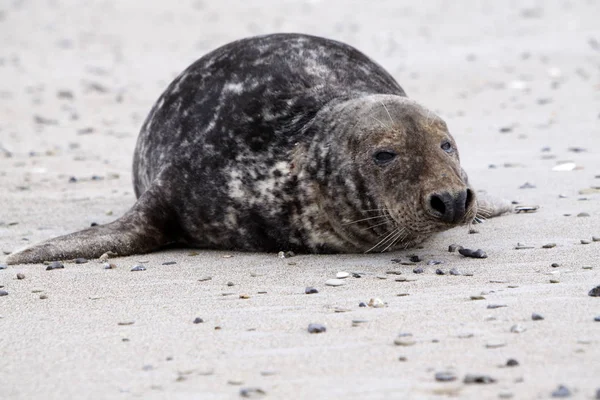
<point x="284" y="142"/>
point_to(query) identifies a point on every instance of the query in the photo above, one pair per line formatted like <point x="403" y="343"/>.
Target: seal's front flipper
<point x="490" y="207"/>
<point x="148" y="225"/>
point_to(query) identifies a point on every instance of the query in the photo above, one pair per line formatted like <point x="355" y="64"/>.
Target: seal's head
<point x="400" y="171"/>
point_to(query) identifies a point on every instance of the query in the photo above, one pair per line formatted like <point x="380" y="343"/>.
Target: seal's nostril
<point x="469" y="199"/>
<point x="437" y="204"/>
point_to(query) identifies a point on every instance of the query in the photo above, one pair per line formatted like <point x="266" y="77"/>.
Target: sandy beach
<point x="518" y="84"/>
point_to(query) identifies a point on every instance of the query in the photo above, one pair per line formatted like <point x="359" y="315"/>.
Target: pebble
<point x="511" y="362"/>
<point x="454" y="247"/>
<point x="310" y="290"/>
<point x="20" y="276"/>
<point x="230" y="284"/>
<point x="357" y="322"/>
<point x="597" y="319"/>
<point x="418" y="270"/>
<point x="527" y="185"/>
<point x="169" y="263"/>
<point x="402" y="358"/>
<point x="334" y="282"/>
<point x="585" y="241"/>
<point x="517" y="328"/>
<point x="126" y="323"/>
<point x="595" y="292"/>
<point x="434" y="262"/>
<point x="537" y="317"/>
<point x="316" y="328"/>
<point x="439" y="272"/>
<point x="414" y="259"/>
<point x="109" y="266"/>
<point x="342" y="275"/>
<point x="455" y="272"/>
<point x="3" y="266"/>
<point x="402" y="340"/>
<point x="495" y="345"/>
<point x="521" y="246"/>
<point x="477" y="297"/>
<point x="549" y="246"/>
<point x="505" y="395"/>
<point x="54" y="265"/>
<point x="445" y="376"/>
<point x="362" y="304"/>
<point x="252" y="392"/>
<point x="138" y="268"/>
<point x="583" y="214"/>
<point x="494" y="306"/>
<point x="198" y="320"/>
<point x="81" y="260"/>
<point x="393" y="272"/>
<point x="555" y="265"/>
<point x="561" y="392"/>
<point x="596" y="238"/>
<point x="376" y="303"/>
<point x="244" y="296"/>
<point x="554" y="281"/>
<point x="482" y="379"/>
<point x="43" y="296"/>
<point x="205" y="278"/>
<point x="3" y="293"/>
<point x="473" y="254"/>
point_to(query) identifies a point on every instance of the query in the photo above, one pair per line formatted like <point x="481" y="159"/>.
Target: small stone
<point x="414" y="259"/>
<point x="495" y="345"/>
<point x="54" y="265"/>
<point x="43" y="296"/>
<point x="418" y="270"/>
<point x="198" y="320"/>
<point x="357" y="322"/>
<point x="454" y="247"/>
<point x="597" y="394"/>
<point x="81" y="260"/>
<point x="126" y="323"/>
<point x="455" y="272"/>
<point x="561" y="392"/>
<point x="342" y="275"/>
<point x="402" y="358"/>
<point x="596" y="238"/>
<point x="554" y="281"/>
<point x="20" y="276"/>
<point x="587" y="267"/>
<point x="595" y="292"/>
<point x="517" y="329"/>
<point x="334" y="282"/>
<point x="362" y="304"/>
<point x="138" y="268"/>
<point x="549" y="246"/>
<point x="583" y="214"/>
<point x="473" y="254"/>
<point x="3" y="293"/>
<point x="505" y="395"/>
<point x="3" y="266"/>
<point x="555" y="265"/>
<point x="527" y="185"/>
<point x="393" y="272"/>
<point x="536" y="317"/>
<point x="402" y="340"/>
<point x="445" y="376"/>
<point x="376" y="303"/>
<point x="494" y="306"/>
<point x="169" y="263"/>
<point x="511" y="362"/>
<point x="310" y="290"/>
<point x="205" y="278"/>
<point x="244" y="296"/>
<point x="109" y="266"/>
<point x="439" y="272"/>
<point x="230" y="284"/>
<point x="481" y="379"/>
<point x="316" y="328"/>
<point x="477" y="297"/>
<point x="252" y="392"/>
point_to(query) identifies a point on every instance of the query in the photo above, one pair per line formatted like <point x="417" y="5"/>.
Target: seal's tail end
<point x="146" y="227"/>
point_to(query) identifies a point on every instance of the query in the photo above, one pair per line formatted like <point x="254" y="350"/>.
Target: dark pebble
<point x="230" y="284"/>
<point x="94" y="224"/>
<point x="454" y="247"/>
<point x="455" y="271"/>
<point x="72" y="179"/>
<point x="3" y="293"/>
<point x="316" y="328"/>
<point x="20" y="276"/>
<point x="418" y="270"/>
<point x="445" y="376"/>
<point x="54" y="265"/>
<point x="555" y="265"/>
<point x="549" y="246"/>
<point x="356" y="275"/>
<point x="396" y="260"/>
<point x="511" y="362"/>
<point x="138" y="268"/>
<point x="595" y="292"/>
<point x="527" y="185"/>
<point x="434" y="262"/>
<point x="3" y="266"/>
<point x="473" y="231"/>
<point x="536" y="317"/>
<point x="169" y="263"/>
<point x="402" y="358"/>
<point x="597" y="394"/>
<point x="585" y="241"/>
<point x="473" y="254"/>
<point x="252" y="392"/>
<point x="414" y="259"/>
<point x="561" y="392"/>
<point x="597" y="319"/>
<point x="362" y="304"/>
<point x="482" y="379"/>
<point x="81" y="260"/>
<point x="310" y="290"/>
<point x="494" y="306"/>
<point x="198" y="320"/>
<point x="439" y="272"/>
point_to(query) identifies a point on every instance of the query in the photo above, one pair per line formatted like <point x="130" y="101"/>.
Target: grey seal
<point x="284" y="142"/>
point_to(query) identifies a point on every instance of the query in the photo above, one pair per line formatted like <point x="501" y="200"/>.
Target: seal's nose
<point x="450" y="207"/>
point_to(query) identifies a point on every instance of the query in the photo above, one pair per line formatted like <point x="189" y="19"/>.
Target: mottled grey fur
<point x="266" y="144"/>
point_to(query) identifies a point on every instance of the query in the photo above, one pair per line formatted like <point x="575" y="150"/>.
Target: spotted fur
<point x="266" y="144"/>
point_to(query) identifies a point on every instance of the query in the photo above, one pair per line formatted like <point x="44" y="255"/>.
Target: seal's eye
<point x="447" y="146"/>
<point x="384" y="157"/>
